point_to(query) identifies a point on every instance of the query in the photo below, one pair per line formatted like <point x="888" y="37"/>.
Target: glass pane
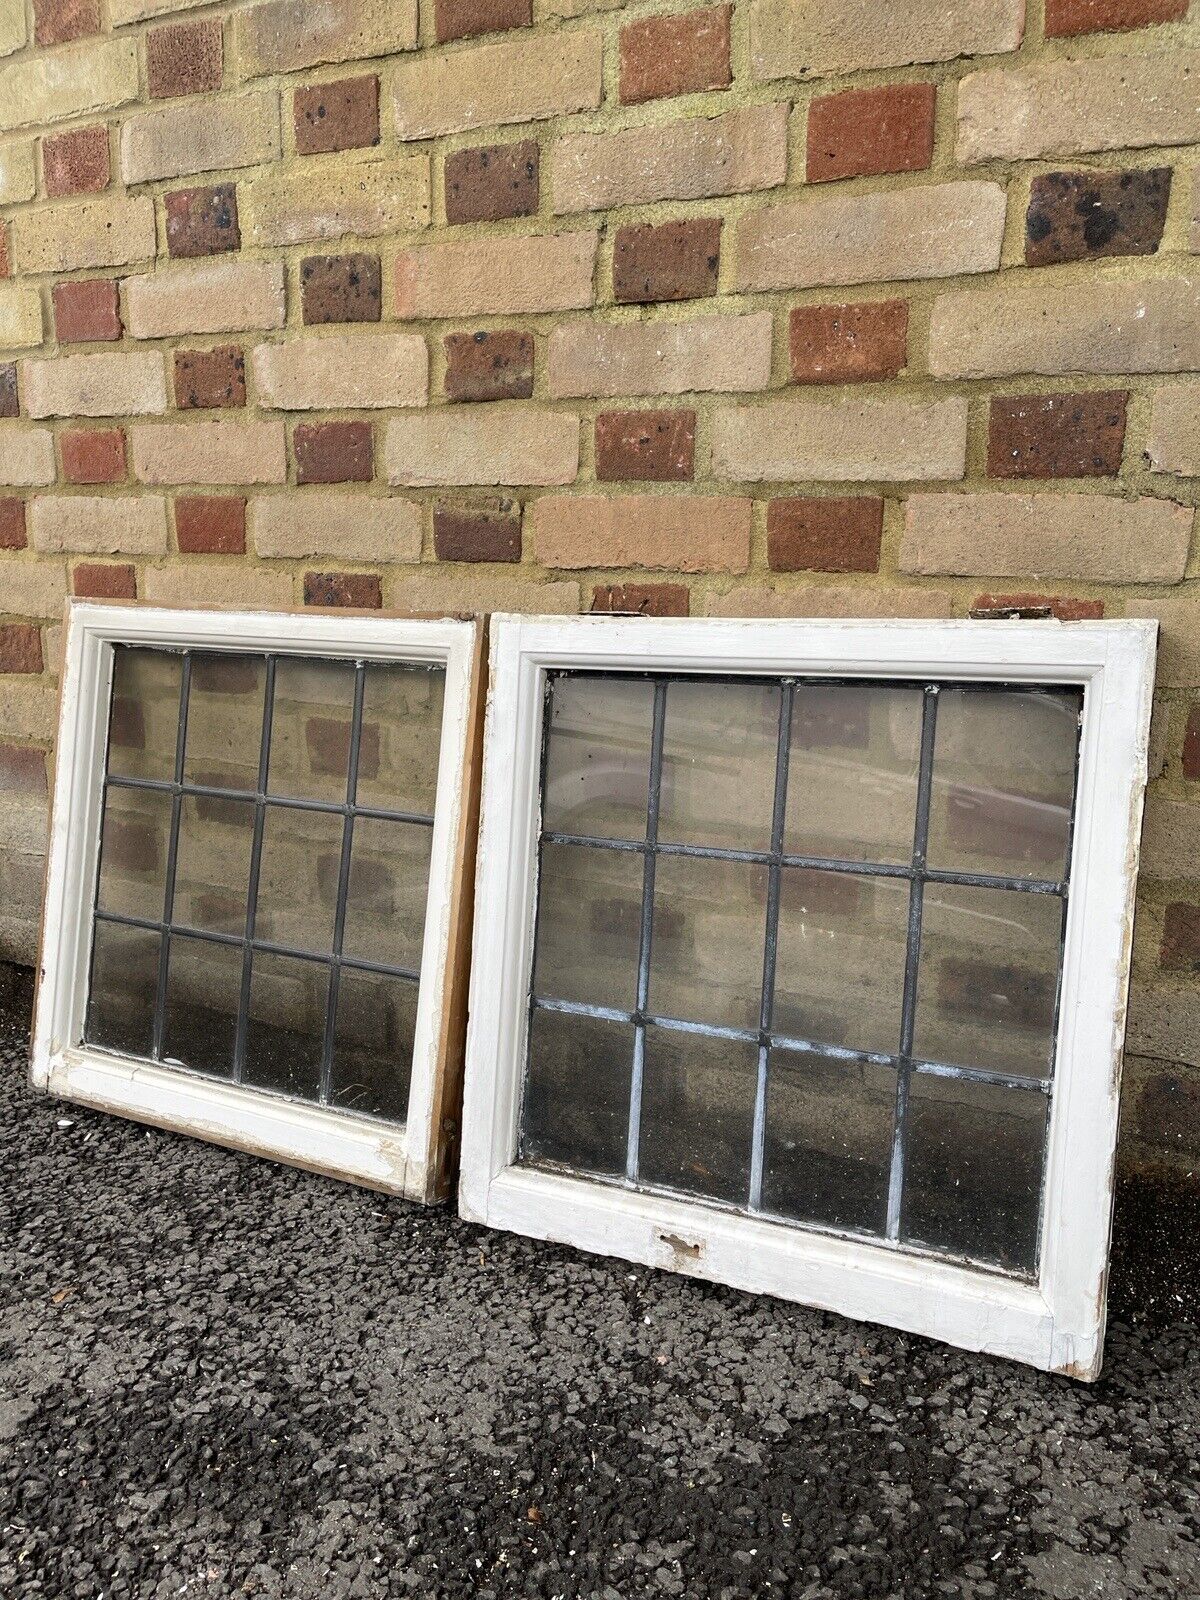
<point x="576" y="1109"/>
<point x="598" y="757"/>
<point x="839" y="965"/>
<point x="212" y="873"/>
<point x="718" y="777"/>
<point x="706" y="952"/>
<point x="224" y="723"/>
<point x="120" y="1013"/>
<point x="828" y="1151"/>
<point x="698" y="1114"/>
<point x="133" y="851"/>
<point x="373" y="1044"/>
<point x="1003" y="781"/>
<point x="285" y="1036"/>
<point x="204" y="986"/>
<point x="310" y="729"/>
<point x="973" y="1176"/>
<point x="144" y="724"/>
<point x="589" y="925"/>
<point x="852" y="777"/>
<point x="988" y="978"/>
<point x="401" y="738"/>
<point x="298" y="877"/>
<point x="389" y="885"/>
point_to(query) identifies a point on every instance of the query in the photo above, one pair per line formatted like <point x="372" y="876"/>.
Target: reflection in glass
<point x="212" y="874"/>
<point x="120" y="1012"/>
<point x="576" y="1108"/>
<point x="204" y="985"/>
<point x="298" y="878"/>
<point x="401" y="738"/>
<point x="311" y="729"/>
<point x="589" y="925"/>
<point x="143" y="724"/>
<point x="133" y="851"/>
<point x="373" y="1044"/>
<point x="598" y="757"/>
<point x="720" y="742"/>
<point x="285" y="1036"/>
<point x="389" y="885"/>
<point x="698" y="1114"/>
<point x="706" y="952"/>
<point x="224" y="721"/>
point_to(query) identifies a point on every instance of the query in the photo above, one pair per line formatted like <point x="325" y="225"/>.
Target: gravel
<point x="221" y="1377"/>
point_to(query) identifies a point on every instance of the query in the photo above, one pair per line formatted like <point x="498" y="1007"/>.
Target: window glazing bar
<point x="339" y="916"/>
<point x="208" y="791"/>
<point x="260" y="813"/>
<point x="653" y="803"/>
<point x="160" y="996"/>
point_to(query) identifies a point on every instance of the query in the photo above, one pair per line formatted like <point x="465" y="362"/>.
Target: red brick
<point x="340" y="289"/>
<point x="77" y="162"/>
<point x="184" y="58"/>
<point x="1067" y="17"/>
<point x="666" y="260"/>
<point x="203" y="222"/>
<point x="645" y="446"/>
<point x="685" y="53"/>
<point x="490" y="531"/>
<point x="1180" y="949"/>
<point x="491" y="182"/>
<point x="133" y="845"/>
<point x="862" y="132"/>
<point x="12" y="522"/>
<point x="1082" y="216"/>
<point x="20" y="647"/>
<point x="1064" y="607"/>
<point x="22" y="769"/>
<point x="1057" y="435"/>
<point x="209" y="524"/>
<point x="642" y="599"/>
<point x="102" y="580"/>
<point x="337" y="116"/>
<point x="489" y="366"/>
<point x="849" y="344"/>
<point x="87" y="310"/>
<point x="327" y="740"/>
<point x="10" y="405"/>
<point x="362" y="590"/>
<point x="206" y="379"/>
<point x="56" y="21"/>
<point x="93" y="455"/>
<point x="462" y="19"/>
<point x="1191" y="746"/>
<point x="825" y="535"/>
<point x="333" y="452"/>
<point x="5" y="265"/>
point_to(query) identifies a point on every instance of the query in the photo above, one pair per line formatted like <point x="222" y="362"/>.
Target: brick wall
<point x="762" y="308"/>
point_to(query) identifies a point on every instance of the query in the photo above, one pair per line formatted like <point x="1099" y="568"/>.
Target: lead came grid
<point x="925" y="1123"/>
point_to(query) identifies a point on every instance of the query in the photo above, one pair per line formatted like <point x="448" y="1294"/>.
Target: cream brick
<point x="210" y="297"/>
<point x="1030" y="325"/>
<point x="20" y="316"/>
<point x="226" y="585"/>
<point x="1062" y="107"/>
<point x="110" y="231"/>
<point x="800" y="41"/>
<point x="497" y="276"/>
<point x="1165" y="1024"/>
<point x="1094" y="537"/>
<point x="18" y="178"/>
<point x="342" y="371"/>
<point x="827" y="600"/>
<point x="123" y="12"/>
<point x="12" y="26"/>
<point x="681" y="533"/>
<point x="1174" y="441"/>
<point x="1178" y="617"/>
<point x="871" y="441"/>
<point x="286" y="35"/>
<point x="1170" y="836"/>
<point x="27" y="709"/>
<point x="364" y="198"/>
<point x="116" y="384"/>
<point x="201" y="135"/>
<point x="444" y="590"/>
<point x="487" y="444"/>
<point x="352" y="527"/>
<point x="32" y="588"/>
<point x="519" y="80"/>
<point x="25" y="823"/>
<point x="71" y="82"/>
<point x="26" y="455"/>
<point x="933" y="231"/>
<point x="732" y="154"/>
<point x="209" y="452"/>
<point x="719" y="354"/>
<point x="130" y="524"/>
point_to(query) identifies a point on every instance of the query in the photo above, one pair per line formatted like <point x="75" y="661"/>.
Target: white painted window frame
<point x="338" y="1142"/>
<point x="1055" y="1323"/>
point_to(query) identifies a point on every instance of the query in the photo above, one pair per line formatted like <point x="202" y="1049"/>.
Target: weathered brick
<point x="340" y="289"/>
<point x="26" y="456"/>
<point x="10" y="404"/>
<point x="1065" y="18"/>
<point x="683" y="53"/>
<point x="810" y="535"/>
<point x="35" y="588"/>
<point x="862" y="132"/>
<point x="1057" y="435"/>
<point x="69" y="83"/>
<point x="18" y="177"/>
<point x="28" y="711"/>
<point x="736" y="153"/>
<point x="355" y="527"/>
<point x="210" y="524"/>
<point x="1169" y="838"/>
<point x="184" y="58"/>
<point x="200" y="136"/>
<point x="1178" y="639"/>
<point x="872" y="441"/>
<point x="642" y="599"/>
<point x="92" y="455"/>
<point x="849" y="343"/>
<point x="497" y="276"/>
<point x="519" y="80"/>
<point x="492" y="181"/>
<point x="102" y="580"/>
<point x="86" y="311"/>
<point x="13" y="32"/>
<point x="287" y="35"/>
<point x="336" y="116"/>
<point x="450" y="589"/>
<point x="130" y="524"/>
<point x="645" y="446"/>
<point x="203" y="222"/>
<point x="1064" y="608"/>
<point x="682" y="533"/>
<point x="223" y="585"/>
<point x="114" y="384"/>
<point x="711" y="354"/>
<point x="347" y="371"/>
<point x="839" y="36"/>
<point x="483" y="445"/>
<point x="489" y="366"/>
<point x="1061" y="107"/>
<point x="487" y="531"/>
<point x="210" y="297"/>
<point x="22" y="770"/>
<point x="333" y="452"/>
<point x="60" y="21"/>
<point x="464" y="19"/>
<point x="20" y="316"/>
<point x="364" y="198"/>
<point x="363" y="591"/>
<point x="76" y="162"/>
<point x="666" y="261"/>
<point x="12" y="522"/>
<point x="209" y="452"/>
<point x="20" y="647"/>
<point x="1190" y="759"/>
<point x="828" y="600"/>
<point x="1173" y="444"/>
<point x="935" y="231"/>
<point x="1093" y="537"/>
<point x="107" y="232"/>
<point x="210" y="379"/>
<point x="1075" y="216"/>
